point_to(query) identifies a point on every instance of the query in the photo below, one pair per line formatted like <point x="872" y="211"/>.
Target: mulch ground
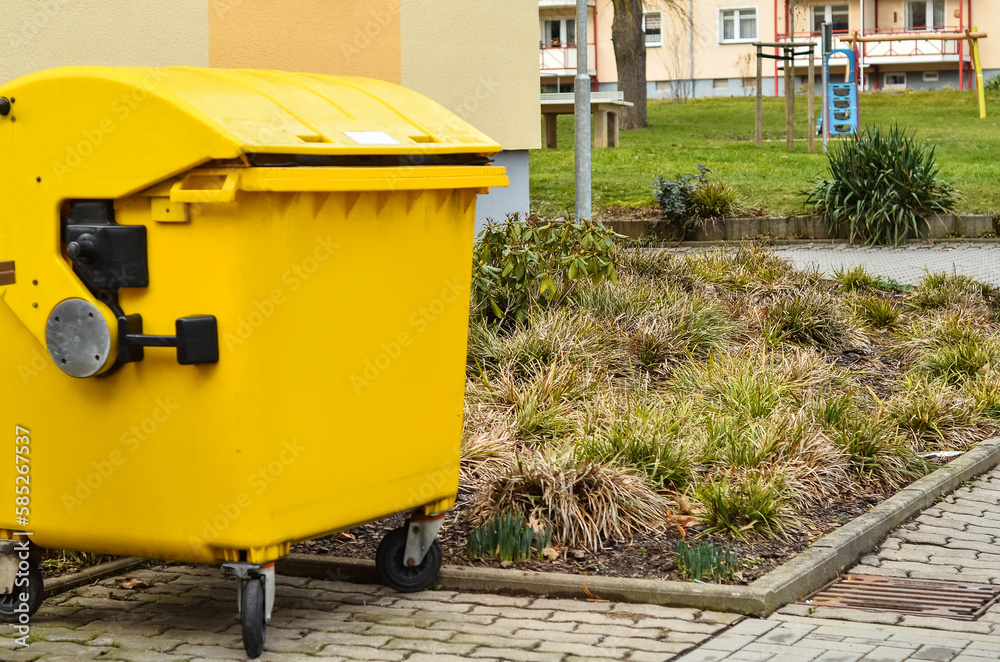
<point x="649" y="557"/>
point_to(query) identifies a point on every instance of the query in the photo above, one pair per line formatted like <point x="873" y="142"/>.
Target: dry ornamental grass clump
<point x="727" y="385"/>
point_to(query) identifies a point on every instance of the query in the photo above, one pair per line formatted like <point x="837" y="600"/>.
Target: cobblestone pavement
<point x="956" y="539"/>
<point x="906" y="265"/>
<point x="784" y="638"/>
<point x="189" y="613"/>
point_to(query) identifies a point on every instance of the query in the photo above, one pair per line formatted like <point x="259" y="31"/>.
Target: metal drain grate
<point x="956" y="600"/>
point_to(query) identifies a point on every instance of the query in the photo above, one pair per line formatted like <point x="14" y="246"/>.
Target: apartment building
<point x="705" y="46"/>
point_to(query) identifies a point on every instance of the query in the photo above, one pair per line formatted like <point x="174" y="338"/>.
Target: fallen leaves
<point x="132" y="583"/>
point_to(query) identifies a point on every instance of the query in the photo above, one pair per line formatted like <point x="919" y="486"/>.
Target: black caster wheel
<point x="398" y="576"/>
<point x="11" y="605"/>
<point x="252" y="610"/>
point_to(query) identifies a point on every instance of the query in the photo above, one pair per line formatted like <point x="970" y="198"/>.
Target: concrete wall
<point x="42" y="34"/>
<point x="316" y="36"/>
<point x="503" y="201"/>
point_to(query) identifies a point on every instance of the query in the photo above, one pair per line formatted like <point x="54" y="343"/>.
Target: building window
<point x="931" y="76"/>
<point x="895" y="81"/>
<point x="836" y="15"/>
<point x="737" y="24"/>
<point x="663" y="85"/>
<point x="558" y="32"/>
<point x="924" y="14"/>
<point x="652" y="25"/>
<point x="721" y="83"/>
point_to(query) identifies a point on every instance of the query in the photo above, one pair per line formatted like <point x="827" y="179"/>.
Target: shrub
<point x="879" y="185"/>
<point x="876" y="312"/>
<point x="690" y="326"/>
<point x="646" y="439"/>
<point x="993" y="84"/>
<point x="876" y="453"/>
<point x="748" y="266"/>
<point x="810" y="319"/>
<point x="752" y="503"/>
<point x="690" y="199"/>
<point x="935" y="417"/>
<point x="713" y="200"/>
<point x="855" y="278"/>
<point x="508" y="538"/>
<point x="941" y="290"/>
<point x="739" y="384"/>
<point x="706" y="561"/>
<point x="583" y="502"/>
<point x="519" y="265"/>
<point x="951" y="350"/>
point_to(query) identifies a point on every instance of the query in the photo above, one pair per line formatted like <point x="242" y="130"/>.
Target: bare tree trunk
<point x="630" y="57"/>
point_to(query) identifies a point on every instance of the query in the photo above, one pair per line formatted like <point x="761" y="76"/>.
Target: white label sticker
<point x="371" y="137"/>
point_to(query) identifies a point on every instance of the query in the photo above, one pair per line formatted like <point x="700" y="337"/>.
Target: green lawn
<point x="719" y="133"/>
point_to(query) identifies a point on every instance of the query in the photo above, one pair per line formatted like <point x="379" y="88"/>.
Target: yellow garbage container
<point x="234" y="317"/>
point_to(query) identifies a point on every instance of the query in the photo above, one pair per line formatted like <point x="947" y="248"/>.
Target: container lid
<point x="275" y="112"/>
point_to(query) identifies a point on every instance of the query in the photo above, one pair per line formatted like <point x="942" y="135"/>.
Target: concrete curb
<point x="815" y="242"/>
<point x="64" y="583"/>
<point x="807" y="572"/>
<point x="813" y="227"/>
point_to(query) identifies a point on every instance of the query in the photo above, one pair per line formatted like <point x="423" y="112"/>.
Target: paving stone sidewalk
<point x="956" y="539"/>
<point x="907" y="264"/>
<point x="189" y="613"/>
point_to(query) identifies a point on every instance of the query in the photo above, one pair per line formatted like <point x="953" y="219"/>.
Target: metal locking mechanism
<point x="106" y="257"/>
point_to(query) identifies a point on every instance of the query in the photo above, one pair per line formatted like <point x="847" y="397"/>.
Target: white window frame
<point x="929" y="13"/>
<point x="650" y="44"/>
<point x="932" y="76"/>
<point x="896" y="86"/>
<point x="828" y="12"/>
<point x="736" y="24"/>
<point x="562" y="30"/>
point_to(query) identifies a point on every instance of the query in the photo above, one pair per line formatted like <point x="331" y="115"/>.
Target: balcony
<point x="560" y="60"/>
<point x="922" y="51"/>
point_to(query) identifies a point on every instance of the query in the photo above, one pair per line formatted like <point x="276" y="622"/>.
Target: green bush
<point x="519" y="265"/>
<point x="879" y="185"/>
<point x="687" y="201"/>
<point x="756" y="503"/>
<point x="993" y="84"/>
<point x="809" y="319"/>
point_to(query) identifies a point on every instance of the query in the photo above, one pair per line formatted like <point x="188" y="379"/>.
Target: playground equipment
<point x="840" y="110"/>
<point x="790" y="50"/>
<point x="973" y="36"/>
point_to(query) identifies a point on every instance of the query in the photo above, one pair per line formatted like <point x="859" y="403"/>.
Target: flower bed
<point x="724" y="396"/>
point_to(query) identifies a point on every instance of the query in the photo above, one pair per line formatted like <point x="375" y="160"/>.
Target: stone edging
<point x="807" y="572"/>
<point x="935" y="226"/>
<point x="64" y="583"/>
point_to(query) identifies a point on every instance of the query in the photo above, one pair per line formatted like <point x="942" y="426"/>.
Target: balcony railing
<point x="560" y="59"/>
<point x="873" y="51"/>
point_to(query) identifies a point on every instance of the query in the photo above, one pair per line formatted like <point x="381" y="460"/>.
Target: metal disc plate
<point x="78" y="338"/>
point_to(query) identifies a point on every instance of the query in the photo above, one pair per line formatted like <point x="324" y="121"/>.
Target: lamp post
<point x="582" y="115"/>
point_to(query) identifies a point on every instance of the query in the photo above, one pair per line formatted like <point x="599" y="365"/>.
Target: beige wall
<point x="316" y="36"/>
<point x="672" y="59"/>
<point x="478" y="58"/>
<point x="42" y="34"/>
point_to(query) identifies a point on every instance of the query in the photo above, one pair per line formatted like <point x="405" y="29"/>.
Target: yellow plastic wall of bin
<point x="325" y="222"/>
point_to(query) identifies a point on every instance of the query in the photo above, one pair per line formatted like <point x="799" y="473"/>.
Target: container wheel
<point x="395" y="573"/>
<point x="11" y="605"/>
<point x="253" y="611"/>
